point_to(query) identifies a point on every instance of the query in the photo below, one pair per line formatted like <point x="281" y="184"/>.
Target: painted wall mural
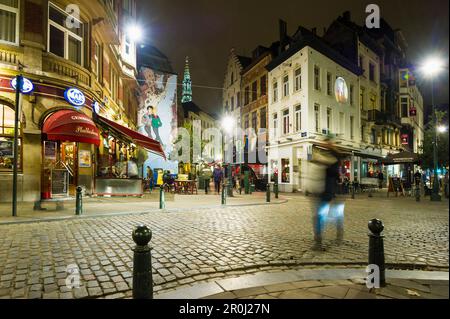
<point x="157" y="114"/>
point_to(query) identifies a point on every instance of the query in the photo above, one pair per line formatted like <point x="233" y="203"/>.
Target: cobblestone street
<point x="197" y="244"/>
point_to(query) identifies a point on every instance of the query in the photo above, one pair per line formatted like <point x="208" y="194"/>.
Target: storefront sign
<point x="27" y="85"/>
<point x="412" y="111"/>
<point x="50" y="150"/>
<point x="405" y="139"/>
<point x="96" y="107"/>
<point x="341" y="90"/>
<point x="75" y="97"/>
<point x="84" y="159"/>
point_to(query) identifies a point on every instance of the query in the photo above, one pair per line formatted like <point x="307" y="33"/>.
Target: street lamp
<point x="228" y="125"/>
<point x="134" y="32"/>
<point x="442" y="129"/>
<point x="431" y="68"/>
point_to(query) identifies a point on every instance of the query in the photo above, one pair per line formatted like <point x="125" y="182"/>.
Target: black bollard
<point x="353" y="190"/>
<point x="268" y="193"/>
<point x="142" y="264"/>
<point x="79" y="201"/>
<point x="224" y="194"/>
<point x="376" y="248"/>
<point x="162" y="199"/>
<point x="275" y="189"/>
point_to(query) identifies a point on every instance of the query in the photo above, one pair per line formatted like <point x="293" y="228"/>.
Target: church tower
<point x="187" y="84"/>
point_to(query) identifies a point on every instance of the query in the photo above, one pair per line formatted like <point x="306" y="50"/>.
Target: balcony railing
<point x="62" y="67"/>
<point x="10" y="56"/>
<point x="382" y="118"/>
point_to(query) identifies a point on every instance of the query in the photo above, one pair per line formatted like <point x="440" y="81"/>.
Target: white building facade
<point x="311" y="96"/>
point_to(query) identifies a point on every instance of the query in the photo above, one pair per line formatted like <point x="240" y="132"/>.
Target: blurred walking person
<point x="329" y="209"/>
<point x="218" y="177"/>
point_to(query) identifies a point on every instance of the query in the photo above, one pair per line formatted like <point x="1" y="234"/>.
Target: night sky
<point x="206" y="30"/>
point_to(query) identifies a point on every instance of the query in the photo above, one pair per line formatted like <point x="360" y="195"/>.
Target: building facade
<point x="77" y="124"/>
<point x="309" y="100"/>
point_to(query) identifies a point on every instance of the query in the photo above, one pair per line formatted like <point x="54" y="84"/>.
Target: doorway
<point x="70" y="160"/>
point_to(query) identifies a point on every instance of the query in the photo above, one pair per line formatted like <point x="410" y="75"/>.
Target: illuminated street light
<point x="134" y="32"/>
<point x="228" y="124"/>
<point x="432" y="66"/>
<point x="442" y="129"/>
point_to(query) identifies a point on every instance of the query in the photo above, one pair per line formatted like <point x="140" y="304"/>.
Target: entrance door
<point x="69" y="158"/>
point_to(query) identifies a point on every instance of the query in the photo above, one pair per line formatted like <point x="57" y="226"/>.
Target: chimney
<point x="347" y="16"/>
<point x="283" y="34"/>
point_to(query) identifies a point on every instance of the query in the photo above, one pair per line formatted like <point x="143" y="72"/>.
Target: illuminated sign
<point x="405" y="139"/>
<point x="341" y="90"/>
<point x="96" y="107"/>
<point x="75" y="97"/>
<point x="27" y="85"/>
<point x="412" y="111"/>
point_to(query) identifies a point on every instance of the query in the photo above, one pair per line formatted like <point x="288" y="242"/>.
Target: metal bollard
<point x="79" y="201"/>
<point x="376" y="248"/>
<point x="224" y="194"/>
<point x="142" y="264"/>
<point x="417" y="193"/>
<point x="275" y="189"/>
<point x="268" y="193"/>
<point x="162" y="199"/>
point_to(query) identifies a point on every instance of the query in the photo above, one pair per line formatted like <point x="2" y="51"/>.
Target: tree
<point x="426" y="157"/>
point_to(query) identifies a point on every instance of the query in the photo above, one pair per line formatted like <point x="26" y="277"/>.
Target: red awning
<point x="73" y="126"/>
<point x="137" y="138"/>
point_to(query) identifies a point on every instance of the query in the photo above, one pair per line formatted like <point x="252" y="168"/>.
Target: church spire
<point x="187" y="84"/>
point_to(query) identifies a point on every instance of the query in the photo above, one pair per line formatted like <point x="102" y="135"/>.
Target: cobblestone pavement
<point x="196" y="244"/>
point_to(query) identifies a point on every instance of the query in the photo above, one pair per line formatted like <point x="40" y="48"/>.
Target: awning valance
<point x="137" y="138"/>
<point x="73" y="126"/>
<point x="401" y="158"/>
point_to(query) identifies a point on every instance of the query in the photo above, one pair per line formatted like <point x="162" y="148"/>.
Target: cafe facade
<point x="77" y="125"/>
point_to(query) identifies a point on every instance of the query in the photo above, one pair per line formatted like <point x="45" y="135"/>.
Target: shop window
<point x="286" y="173"/>
<point x="274" y="170"/>
<point x="65" y="40"/>
<point x="7" y="117"/>
<point x="115" y="159"/>
<point x="9" y="21"/>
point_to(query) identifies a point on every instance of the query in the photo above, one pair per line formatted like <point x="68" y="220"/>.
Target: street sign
<point x="27" y="85"/>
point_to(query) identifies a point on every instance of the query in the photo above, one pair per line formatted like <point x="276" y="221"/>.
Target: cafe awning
<point x="73" y="126"/>
<point x="401" y="158"/>
<point x="137" y="138"/>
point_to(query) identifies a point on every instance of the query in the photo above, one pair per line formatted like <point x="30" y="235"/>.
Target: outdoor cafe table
<point x="185" y="186"/>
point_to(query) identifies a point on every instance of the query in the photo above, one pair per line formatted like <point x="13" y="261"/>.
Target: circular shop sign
<point x="27" y="85"/>
<point x="341" y="90"/>
<point x="96" y="107"/>
<point x="75" y="97"/>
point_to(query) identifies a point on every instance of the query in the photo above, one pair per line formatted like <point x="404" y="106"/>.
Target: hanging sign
<point x="75" y="97"/>
<point x="412" y="111"/>
<point x="405" y="139"/>
<point x="27" y="85"/>
<point x="96" y="107"/>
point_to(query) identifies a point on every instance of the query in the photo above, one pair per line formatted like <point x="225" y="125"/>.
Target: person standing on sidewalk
<point x="218" y="176"/>
<point x="380" y="179"/>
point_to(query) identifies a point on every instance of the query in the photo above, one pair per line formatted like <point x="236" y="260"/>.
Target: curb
<point x="167" y="210"/>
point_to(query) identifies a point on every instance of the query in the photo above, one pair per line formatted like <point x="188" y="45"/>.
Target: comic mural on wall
<point x="157" y="114"/>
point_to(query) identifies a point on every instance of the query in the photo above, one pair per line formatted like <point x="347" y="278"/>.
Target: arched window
<point x="7" y="115"/>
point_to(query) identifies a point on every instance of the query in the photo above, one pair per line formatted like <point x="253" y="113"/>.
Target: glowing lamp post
<point x="430" y="69"/>
<point x="228" y="125"/>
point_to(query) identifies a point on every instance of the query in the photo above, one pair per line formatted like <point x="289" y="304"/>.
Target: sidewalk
<point x="319" y="284"/>
<point x="104" y="206"/>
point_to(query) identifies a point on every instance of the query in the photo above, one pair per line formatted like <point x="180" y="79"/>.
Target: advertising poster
<point x="157" y="114"/>
<point x="50" y="150"/>
<point x="84" y="159"/>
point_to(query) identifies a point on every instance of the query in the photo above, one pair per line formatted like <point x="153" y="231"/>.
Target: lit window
<point x="64" y="41"/>
<point x="9" y="21"/>
<point x="7" y="119"/>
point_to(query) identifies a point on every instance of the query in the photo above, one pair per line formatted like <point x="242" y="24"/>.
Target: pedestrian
<point x="328" y="207"/>
<point x="218" y="177"/>
<point x="380" y="179"/>
<point x="417" y="178"/>
<point x="446" y="185"/>
<point x="150" y="178"/>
